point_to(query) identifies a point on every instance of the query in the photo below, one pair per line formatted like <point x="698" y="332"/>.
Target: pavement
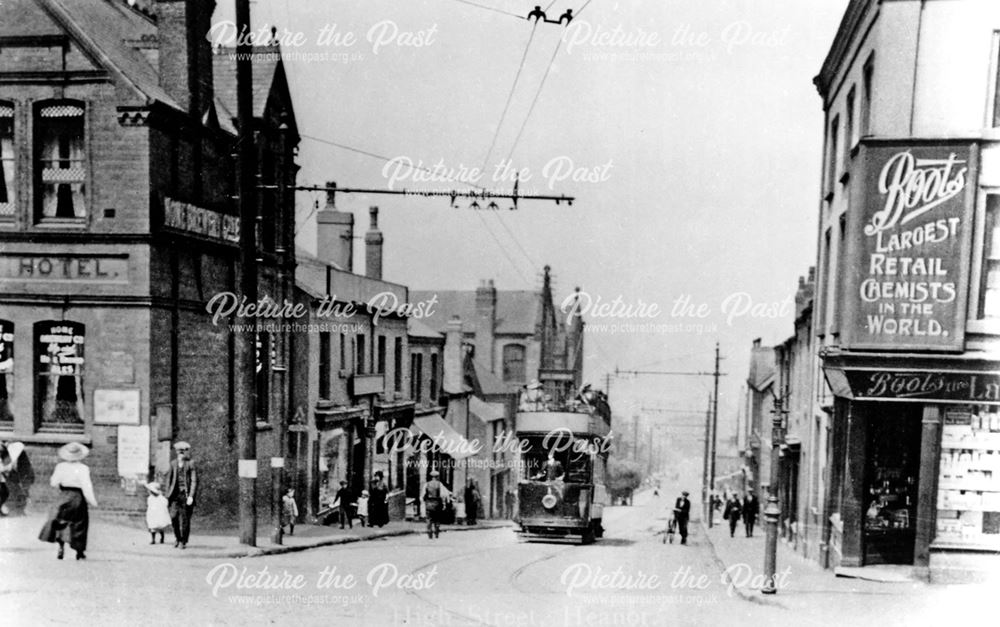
<point x="123" y="536"/>
<point x="804" y="586"/>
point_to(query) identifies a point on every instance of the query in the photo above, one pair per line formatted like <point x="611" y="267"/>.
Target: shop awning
<point x="487" y="412"/>
<point x="445" y="438"/>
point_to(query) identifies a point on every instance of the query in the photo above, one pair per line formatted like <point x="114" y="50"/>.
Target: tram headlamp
<point x="549" y="501"/>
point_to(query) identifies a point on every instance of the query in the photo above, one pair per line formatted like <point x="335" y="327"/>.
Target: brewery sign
<point x="908" y="244"/>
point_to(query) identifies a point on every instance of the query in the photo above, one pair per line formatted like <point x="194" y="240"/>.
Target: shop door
<point x="892" y="470"/>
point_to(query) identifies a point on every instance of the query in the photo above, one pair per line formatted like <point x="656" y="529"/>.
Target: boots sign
<point x="907" y="258"/>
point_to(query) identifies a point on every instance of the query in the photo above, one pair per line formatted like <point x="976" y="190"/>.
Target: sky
<point x="688" y="132"/>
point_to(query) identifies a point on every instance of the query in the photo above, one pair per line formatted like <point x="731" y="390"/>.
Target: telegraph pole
<point x="715" y="427"/>
<point x="705" y="504"/>
<point x="246" y="342"/>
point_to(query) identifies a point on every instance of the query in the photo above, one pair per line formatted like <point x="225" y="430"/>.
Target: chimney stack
<point x="454" y="375"/>
<point x="185" y="53"/>
<point x="486" y="321"/>
<point x="335" y="235"/>
<point x="373" y="247"/>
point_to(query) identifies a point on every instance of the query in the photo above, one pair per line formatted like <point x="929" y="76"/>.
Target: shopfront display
<point x="891" y="495"/>
<point x="968" y="500"/>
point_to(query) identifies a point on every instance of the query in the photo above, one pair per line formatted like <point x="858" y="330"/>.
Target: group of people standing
<point x="746" y="509"/>
<point x="370" y="507"/>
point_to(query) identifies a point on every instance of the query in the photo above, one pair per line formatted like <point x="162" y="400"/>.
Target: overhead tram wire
<point x="534" y="101"/>
<point x="489" y="8"/>
<point x="582" y="8"/>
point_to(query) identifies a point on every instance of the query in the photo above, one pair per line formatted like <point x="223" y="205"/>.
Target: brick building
<point x="117" y="227"/>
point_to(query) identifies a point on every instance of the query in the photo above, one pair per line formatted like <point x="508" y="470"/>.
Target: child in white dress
<point x="157" y="512"/>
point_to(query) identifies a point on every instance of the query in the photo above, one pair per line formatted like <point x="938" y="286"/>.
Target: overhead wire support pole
<point x="706" y="506"/>
<point x="246" y="342"/>
<point x="715" y="424"/>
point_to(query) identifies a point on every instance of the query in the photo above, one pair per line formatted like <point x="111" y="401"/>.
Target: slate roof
<point x="762" y="367"/>
<point x="266" y="60"/>
<point x="518" y="311"/>
<point x="416" y="328"/>
<point x="102" y="28"/>
<point x="489" y="383"/>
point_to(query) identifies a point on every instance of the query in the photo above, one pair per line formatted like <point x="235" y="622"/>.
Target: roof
<point x="518" y="311"/>
<point x="102" y="28"/>
<point x="762" y="368"/>
<point x="416" y="328"/>
<point x="487" y="382"/>
<point x="265" y="67"/>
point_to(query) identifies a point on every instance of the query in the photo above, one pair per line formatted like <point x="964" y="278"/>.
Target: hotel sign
<point x="922" y="386"/>
<point x="76" y="268"/>
<point x="908" y="243"/>
<point x="186" y="217"/>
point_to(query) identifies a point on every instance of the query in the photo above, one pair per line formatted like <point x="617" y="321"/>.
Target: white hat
<point x="73" y="452"/>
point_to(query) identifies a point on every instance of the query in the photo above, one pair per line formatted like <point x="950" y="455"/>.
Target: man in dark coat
<point x="343" y="501"/>
<point x="182" y="484"/>
<point x="682" y="513"/>
<point x="732" y="514"/>
<point x="751" y="509"/>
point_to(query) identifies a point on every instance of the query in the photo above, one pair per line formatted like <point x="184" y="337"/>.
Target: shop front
<point x="917" y="453"/>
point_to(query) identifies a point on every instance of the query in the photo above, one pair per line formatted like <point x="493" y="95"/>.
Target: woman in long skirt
<point x="69" y="520"/>
<point x="378" y="509"/>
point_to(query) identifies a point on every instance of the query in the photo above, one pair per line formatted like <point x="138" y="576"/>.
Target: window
<point x="833" y="158"/>
<point x="6" y="369"/>
<point x="8" y="162"/>
<point x="324" y="364"/>
<point x="397" y="364"/>
<point x="380" y="357"/>
<point x="434" y="377"/>
<point x="825" y="282"/>
<point x="59" y="368"/>
<point x="343" y="351"/>
<point x="836" y="283"/>
<point x="416" y="376"/>
<point x="263" y="375"/>
<point x="61" y="170"/>
<point x="850" y="131"/>
<point x="513" y="363"/>
<point x="359" y="357"/>
<point x="990" y="300"/>
<point x="866" y="94"/>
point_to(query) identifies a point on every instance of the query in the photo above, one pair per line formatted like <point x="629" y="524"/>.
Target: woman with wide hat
<point x="69" y="520"/>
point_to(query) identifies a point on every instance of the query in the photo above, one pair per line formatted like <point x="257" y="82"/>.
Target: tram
<point x="563" y="463"/>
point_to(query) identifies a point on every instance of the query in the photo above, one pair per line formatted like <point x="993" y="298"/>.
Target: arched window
<point x="59" y="367"/>
<point x="513" y="363"/>
<point x="60" y="160"/>
<point x="8" y="162"/>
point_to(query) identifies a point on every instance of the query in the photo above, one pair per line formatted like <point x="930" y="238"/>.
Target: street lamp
<point x="772" y="512"/>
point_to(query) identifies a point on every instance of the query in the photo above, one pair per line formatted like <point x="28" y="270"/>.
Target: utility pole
<point x="715" y="428"/>
<point x="246" y="342"/>
<point x="706" y="506"/>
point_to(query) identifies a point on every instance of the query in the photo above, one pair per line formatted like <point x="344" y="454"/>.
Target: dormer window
<point x="61" y="167"/>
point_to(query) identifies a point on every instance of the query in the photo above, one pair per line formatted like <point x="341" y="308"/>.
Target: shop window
<point x="263" y="375"/>
<point x="61" y="168"/>
<point x="968" y="498"/>
<point x="6" y="370"/>
<point x="8" y="162"/>
<point x="324" y="364"/>
<point x="434" y="377"/>
<point x="989" y="306"/>
<point x="513" y="363"/>
<point x="59" y="369"/>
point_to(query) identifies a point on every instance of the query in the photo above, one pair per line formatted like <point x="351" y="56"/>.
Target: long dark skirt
<point x="69" y="520"/>
<point x="378" y="509"/>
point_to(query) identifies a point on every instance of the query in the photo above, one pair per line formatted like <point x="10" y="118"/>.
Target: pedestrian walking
<point x="182" y="485"/>
<point x="363" y="508"/>
<point x="472" y="500"/>
<point x="732" y="514"/>
<point x="15" y="479"/>
<point x="751" y="510"/>
<point x="289" y="511"/>
<point x="682" y="513"/>
<point x="378" y="509"/>
<point x="342" y="502"/>
<point x="6" y="468"/>
<point x="69" y="520"/>
<point x="157" y="512"/>
<point x="435" y="495"/>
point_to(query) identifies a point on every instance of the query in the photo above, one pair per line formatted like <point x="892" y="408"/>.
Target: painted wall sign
<point x="77" y="268"/>
<point x="133" y="450"/>
<point x="116" y="407"/>
<point x="933" y="387"/>
<point x="908" y="246"/>
<point x="205" y="222"/>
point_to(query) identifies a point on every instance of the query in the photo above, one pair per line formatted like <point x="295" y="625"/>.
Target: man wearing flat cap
<point x="682" y="513"/>
<point x="182" y="484"/>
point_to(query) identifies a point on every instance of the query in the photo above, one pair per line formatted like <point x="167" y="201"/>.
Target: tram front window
<point x="541" y="464"/>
